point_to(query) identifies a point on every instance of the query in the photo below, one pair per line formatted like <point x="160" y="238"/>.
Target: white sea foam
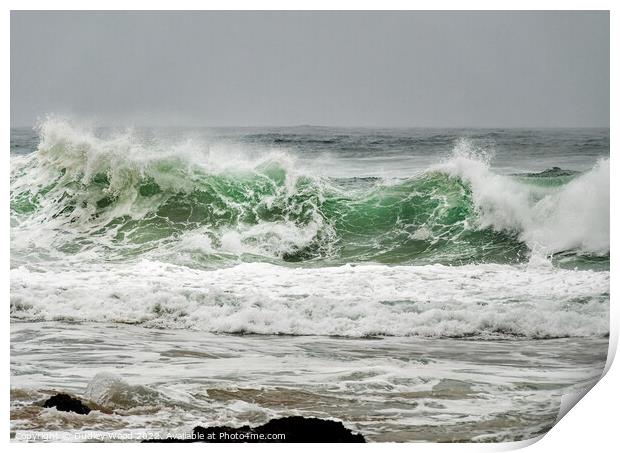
<point x="360" y="300"/>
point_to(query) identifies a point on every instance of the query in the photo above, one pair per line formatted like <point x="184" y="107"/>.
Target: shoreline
<point x="388" y="389"/>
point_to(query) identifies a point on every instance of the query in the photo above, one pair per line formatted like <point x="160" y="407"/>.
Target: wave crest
<point x="572" y="216"/>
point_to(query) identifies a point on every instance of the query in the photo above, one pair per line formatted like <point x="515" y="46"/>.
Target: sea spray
<point x="573" y="216"/>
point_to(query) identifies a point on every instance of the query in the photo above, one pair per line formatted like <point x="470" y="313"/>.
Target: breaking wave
<point x="125" y="196"/>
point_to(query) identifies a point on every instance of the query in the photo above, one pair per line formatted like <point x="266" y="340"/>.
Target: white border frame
<point x="592" y="424"/>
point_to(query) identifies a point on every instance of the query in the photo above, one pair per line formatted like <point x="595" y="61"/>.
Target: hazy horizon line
<point x="325" y="126"/>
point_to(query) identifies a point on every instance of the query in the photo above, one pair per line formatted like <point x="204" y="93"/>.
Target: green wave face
<point x="430" y="218"/>
<point x="272" y="214"/>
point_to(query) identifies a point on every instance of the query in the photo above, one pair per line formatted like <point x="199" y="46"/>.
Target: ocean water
<point x="417" y="284"/>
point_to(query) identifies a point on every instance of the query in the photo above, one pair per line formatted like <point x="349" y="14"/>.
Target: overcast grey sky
<point x="444" y="69"/>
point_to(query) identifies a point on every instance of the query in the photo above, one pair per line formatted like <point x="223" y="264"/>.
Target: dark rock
<point x="66" y="403"/>
<point x="293" y="429"/>
<point x="552" y="172"/>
